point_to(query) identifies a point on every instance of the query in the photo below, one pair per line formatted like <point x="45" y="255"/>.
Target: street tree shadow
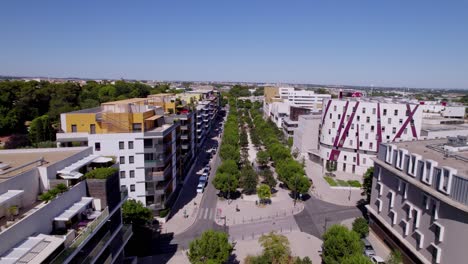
<point x="233" y="259"/>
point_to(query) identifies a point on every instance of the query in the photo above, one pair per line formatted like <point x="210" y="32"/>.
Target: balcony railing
<point x="81" y="237"/>
<point x="93" y="254"/>
<point x="184" y="127"/>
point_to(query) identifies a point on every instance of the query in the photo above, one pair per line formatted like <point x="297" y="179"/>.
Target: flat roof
<point x="32" y="250"/>
<point x="444" y="127"/>
<point x="86" y="111"/>
<point x="421" y="147"/>
<point x="22" y="160"/>
<point x="126" y="101"/>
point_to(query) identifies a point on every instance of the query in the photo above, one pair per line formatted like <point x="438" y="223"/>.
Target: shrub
<point x="101" y="173"/>
<point x="361" y="227"/>
<point x="45" y="197"/>
<point x="164" y="212"/>
<point x="330" y="181"/>
<point x="341" y="182"/>
<point x="354" y="183"/>
<point x="61" y="187"/>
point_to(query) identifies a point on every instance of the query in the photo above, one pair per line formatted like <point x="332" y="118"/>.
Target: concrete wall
<point x="28" y="182"/>
<point x="41" y="220"/>
<point x="306" y="136"/>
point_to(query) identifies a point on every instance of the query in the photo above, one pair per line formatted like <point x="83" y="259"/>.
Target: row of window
<point x="132" y="187"/>
<point x="423" y="169"/>
<point x="131" y="159"/>
<point x="122" y="145"/>
<point x="123" y="174"/>
<point x="374" y="111"/>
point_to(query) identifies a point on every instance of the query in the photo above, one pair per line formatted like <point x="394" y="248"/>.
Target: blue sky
<point x="357" y="42"/>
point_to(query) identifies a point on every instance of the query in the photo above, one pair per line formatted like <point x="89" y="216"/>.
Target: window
<point x="73" y="129"/>
<point x="439" y="232"/>
<point x="378" y="172"/>
<point x="373" y="111"/>
<point x="351" y="142"/>
<point x="393" y="216"/>
<point x="428" y="171"/>
<point x="92" y="129"/>
<point x="400" y="121"/>
<point x="436" y="253"/>
<point x="122" y="174"/>
<point x="372" y="129"/>
<point x="352" y="126"/>
<point x="148" y="143"/>
<point x="363" y="110"/>
<point x="132" y="187"/>
<point x="379" y="205"/>
<point x="130" y="145"/>
<point x="131" y="159"/>
<point x="445" y="180"/>
<point x="383" y="128"/>
<point x="333" y="125"/>
<point x="395" y="113"/>
<point x="136" y="127"/>
<point x="354" y="159"/>
<point x="416" y="218"/>
<point x="122" y="160"/>
<point x="123" y="188"/>
<point x="389" y="121"/>
<point x="435" y="209"/>
<point x="364" y="161"/>
<point x="413" y="161"/>
<point x="331" y="116"/>
<point x="393" y="130"/>
<point x="362" y="127"/>
<point x="379" y="188"/>
<point x="405" y="227"/>
<point x="358" y="118"/>
<point x="97" y="146"/>
<point x="389" y="154"/>
<point x="426" y="201"/>
<point x="371" y="145"/>
<point x="366" y="136"/>
<point x="403" y="187"/>
<point x="345" y="157"/>
<point x="339" y="116"/>
<point x="405" y="131"/>
<point x="334" y="108"/>
<point x="400" y="159"/>
<point x="419" y="239"/>
<point x="360" y="143"/>
<point x="329" y="131"/>
<point x="391" y="199"/>
<point x="385" y="112"/>
<point x="132" y="174"/>
<point x="121" y="145"/>
<point x="368" y="119"/>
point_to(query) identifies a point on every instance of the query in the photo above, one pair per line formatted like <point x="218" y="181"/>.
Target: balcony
<point x="185" y="146"/>
<point x="184" y="127"/>
<point x="82" y="236"/>
<point x="184" y="137"/>
<point x="159" y="175"/>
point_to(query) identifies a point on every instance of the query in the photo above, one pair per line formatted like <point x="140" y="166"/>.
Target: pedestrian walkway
<point x="207" y="213"/>
<point x="321" y="189"/>
<point x="184" y="218"/>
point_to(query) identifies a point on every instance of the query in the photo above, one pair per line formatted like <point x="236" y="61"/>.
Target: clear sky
<point x="358" y="42"/>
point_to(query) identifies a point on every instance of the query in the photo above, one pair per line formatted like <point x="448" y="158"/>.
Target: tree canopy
<point x="210" y="247"/>
<point x="361" y="227"/>
<point x="264" y="192"/>
<point x="367" y="183"/>
<point x="340" y="243"/>
<point x="134" y="212"/>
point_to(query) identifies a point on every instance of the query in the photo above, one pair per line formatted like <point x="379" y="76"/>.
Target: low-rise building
<point x="80" y="222"/>
<point x="419" y="200"/>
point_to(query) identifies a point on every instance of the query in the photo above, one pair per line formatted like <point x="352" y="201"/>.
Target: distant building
<point x="419" y="201"/>
<point x="306" y="136"/>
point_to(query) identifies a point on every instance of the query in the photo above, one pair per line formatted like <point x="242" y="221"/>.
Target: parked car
<point x="203" y="179"/>
<point x="207" y="167"/>
<point x="205" y="174"/>
<point x="377" y="260"/>
<point x="368" y="249"/>
<point x="200" y="188"/>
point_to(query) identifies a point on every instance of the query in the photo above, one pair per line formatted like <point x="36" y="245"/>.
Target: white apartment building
<point x="81" y="224"/>
<point x="306" y="136"/>
<point x="353" y="128"/>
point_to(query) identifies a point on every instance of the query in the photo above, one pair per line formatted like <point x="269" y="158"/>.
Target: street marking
<point x="207" y="213"/>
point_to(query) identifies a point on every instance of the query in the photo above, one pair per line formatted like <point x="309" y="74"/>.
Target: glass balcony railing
<point x="62" y="257"/>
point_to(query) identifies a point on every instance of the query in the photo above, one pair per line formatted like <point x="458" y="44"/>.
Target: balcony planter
<point x="104" y="184"/>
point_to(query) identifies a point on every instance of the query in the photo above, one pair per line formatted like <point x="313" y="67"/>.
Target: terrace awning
<point x="74" y="209"/>
<point x="77" y="165"/>
<point x="10" y="195"/>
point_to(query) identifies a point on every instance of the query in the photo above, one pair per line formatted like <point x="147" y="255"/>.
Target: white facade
<point x="278" y="111"/>
<point x="302" y="98"/>
<point x="306" y="136"/>
<point x="351" y="132"/>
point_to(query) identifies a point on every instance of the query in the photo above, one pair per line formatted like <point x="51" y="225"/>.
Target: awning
<point x="72" y="176"/>
<point x="10" y="195"/>
<point x="74" y="209"/>
<point x="77" y="165"/>
<point x="102" y="160"/>
<point x="153" y="118"/>
<point x="32" y="250"/>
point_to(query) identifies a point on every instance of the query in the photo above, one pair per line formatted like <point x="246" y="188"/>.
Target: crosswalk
<point x="207" y="213"/>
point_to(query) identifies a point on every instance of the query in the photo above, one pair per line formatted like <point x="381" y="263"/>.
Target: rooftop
<point x="21" y="160"/>
<point x="126" y="101"/>
<point x="444" y="127"/>
<point x="87" y="111"/>
<point x="433" y="150"/>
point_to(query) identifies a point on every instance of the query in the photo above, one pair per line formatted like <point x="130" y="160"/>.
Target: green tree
<point x="299" y="183"/>
<point x="262" y="158"/>
<point x="279" y="152"/>
<point x="395" y="258"/>
<point x="249" y="179"/>
<point x="226" y="183"/>
<point x="275" y="247"/>
<point x="41" y="130"/>
<point x="361" y="227"/>
<point x="229" y="152"/>
<point x="211" y="247"/>
<point x="264" y="192"/>
<point x="356" y="259"/>
<point x="229" y="166"/>
<point x="134" y="212"/>
<point x="367" y="183"/>
<point x="339" y="243"/>
<point x="268" y="178"/>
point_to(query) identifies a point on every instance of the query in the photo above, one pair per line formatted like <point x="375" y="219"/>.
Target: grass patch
<point x="342" y="183"/>
<point x="330" y="181"/>
<point x="354" y="183"/>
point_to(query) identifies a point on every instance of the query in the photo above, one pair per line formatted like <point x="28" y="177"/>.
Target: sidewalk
<point x="321" y="189"/>
<point x="282" y="205"/>
<point x="178" y="223"/>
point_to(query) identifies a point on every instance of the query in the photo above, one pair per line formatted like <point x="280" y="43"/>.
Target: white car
<point x="200" y="188"/>
<point x="377" y="260"/>
<point x="205" y="174"/>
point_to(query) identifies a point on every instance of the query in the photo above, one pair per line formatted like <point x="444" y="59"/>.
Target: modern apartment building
<point x="353" y="128"/>
<point x="291" y="122"/>
<point x="419" y="201"/>
<point x="154" y="139"/>
<point x="83" y="224"/>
